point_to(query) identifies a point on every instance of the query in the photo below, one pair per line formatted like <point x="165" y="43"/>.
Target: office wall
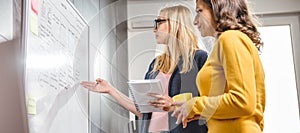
<point x="142" y="47"/>
<point x="6" y="25"/>
<point x="12" y="113"/>
<point x="142" y="43"/>
<point x="108" y="59"/>
<point x="12" y="99"/>
<point x="275" y="6"/>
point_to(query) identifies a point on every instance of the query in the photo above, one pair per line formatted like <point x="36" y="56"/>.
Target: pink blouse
<point x="160" y="120"/>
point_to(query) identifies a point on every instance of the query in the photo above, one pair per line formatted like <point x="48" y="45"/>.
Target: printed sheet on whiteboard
<point x="57" y="43"/>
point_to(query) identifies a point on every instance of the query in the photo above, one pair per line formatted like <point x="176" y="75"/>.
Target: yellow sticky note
<point x="34" y="24"/>
<point x="183" y="97"/>
<point x="31" y="105"/>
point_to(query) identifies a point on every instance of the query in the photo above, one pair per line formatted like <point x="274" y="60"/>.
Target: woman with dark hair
<point x="231" y="82"/>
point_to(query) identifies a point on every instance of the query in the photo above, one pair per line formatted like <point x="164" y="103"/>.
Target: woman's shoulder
<point x="231" y="34"/>
<point x="151" y="65"/>
<point x="200" y="54"/>
<point x="200" y="51"/>
<point x="200" y="58"/>
<point x="235" y="39"/>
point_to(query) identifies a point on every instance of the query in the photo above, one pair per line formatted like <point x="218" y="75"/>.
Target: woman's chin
<point x="161" y="43"/>
<point x="158" y="42"/>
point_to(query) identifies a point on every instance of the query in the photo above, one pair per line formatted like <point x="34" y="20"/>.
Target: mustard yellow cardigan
<point x="231" y="84"/>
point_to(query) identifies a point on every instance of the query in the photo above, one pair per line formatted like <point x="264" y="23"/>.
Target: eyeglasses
<point x="158" y="22"/>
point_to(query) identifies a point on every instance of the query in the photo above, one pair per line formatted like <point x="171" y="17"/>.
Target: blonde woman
<point x="177" y="67"/>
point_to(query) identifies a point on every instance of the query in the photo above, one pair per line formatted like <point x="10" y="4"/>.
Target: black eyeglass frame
<point x="156" y="22"/>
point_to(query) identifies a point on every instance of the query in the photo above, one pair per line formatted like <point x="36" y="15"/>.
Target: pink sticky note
<point x="35" y="6"/>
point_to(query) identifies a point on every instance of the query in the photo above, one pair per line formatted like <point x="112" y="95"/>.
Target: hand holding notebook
<point x="140" y="89"/>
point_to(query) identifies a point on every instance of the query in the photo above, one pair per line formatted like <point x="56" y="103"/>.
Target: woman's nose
<point x="195" y="20"/>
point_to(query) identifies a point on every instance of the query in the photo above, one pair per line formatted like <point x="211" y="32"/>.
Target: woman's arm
<point x="102" y="86"/>
<point x="235" y="56"/>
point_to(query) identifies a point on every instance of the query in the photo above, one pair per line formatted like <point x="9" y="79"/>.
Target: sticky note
<point x="35" y="6"/>
<point x="183" y="97"/>
<point x="31" y="105"/>
<point x="34" y="24"/>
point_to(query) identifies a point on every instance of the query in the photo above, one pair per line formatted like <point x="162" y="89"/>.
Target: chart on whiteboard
<point x="56" y="61"/>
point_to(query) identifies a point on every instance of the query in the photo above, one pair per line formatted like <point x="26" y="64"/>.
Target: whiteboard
<point x="56" y="58"/>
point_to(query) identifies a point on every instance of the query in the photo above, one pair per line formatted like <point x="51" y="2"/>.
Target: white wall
<point x="275" y="6"/>
<point x="141" y="43"/>
<point x="108" y="60"/>
<point x="6" y="25"/>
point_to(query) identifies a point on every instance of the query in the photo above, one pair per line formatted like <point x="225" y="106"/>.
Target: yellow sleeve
<point x="239" y="98"/>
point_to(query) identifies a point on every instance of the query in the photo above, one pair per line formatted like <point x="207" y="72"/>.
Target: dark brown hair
<point x="235" y="15"/>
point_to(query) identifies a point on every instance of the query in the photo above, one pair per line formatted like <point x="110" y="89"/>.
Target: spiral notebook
<point x="139" y="90"/>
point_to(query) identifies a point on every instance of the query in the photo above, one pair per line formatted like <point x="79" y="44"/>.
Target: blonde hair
<point x="182" y="41"/>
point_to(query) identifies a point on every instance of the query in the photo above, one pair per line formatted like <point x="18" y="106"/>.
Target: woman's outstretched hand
<point x="101" y="86"/>
<point x="162" y="102"/>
